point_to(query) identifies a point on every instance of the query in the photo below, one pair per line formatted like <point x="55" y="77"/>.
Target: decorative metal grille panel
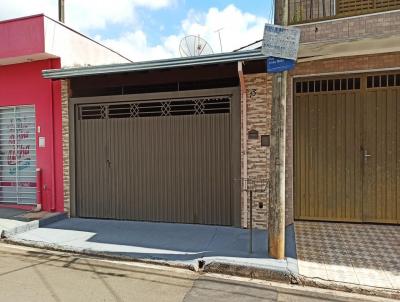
<point x="383" y="81"/>
<point x="365" y="6"/>
<point x="328" y="85"/>
<point x="156" y="108"/>
<point x="18" y="155"/>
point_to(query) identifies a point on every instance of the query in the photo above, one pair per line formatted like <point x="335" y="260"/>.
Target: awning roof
<point x="307" y="52"/>
<point x="229" y="57"/>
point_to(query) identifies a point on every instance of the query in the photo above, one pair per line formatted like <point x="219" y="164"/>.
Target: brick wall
<point x="65" y="135"/>
<point x="346" y="64"/>
<point x="387" y="23"/>
<point x="259" y="93"/>
<point x="259" y="106"/>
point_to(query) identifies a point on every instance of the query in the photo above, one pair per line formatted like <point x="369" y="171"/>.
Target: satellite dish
<point x="193" y="46"/>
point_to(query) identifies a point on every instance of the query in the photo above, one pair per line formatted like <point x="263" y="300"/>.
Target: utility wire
<point x="270" y="19"/>
<point x="243" y="47"/>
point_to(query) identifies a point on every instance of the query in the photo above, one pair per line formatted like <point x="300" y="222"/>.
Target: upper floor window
<point x="301" y="11"/>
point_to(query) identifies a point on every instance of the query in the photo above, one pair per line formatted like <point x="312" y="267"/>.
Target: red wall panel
<point x="23" y="84"/>
<point x="22" y="37"/>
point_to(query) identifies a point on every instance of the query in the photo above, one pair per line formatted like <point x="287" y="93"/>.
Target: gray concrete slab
<point x="174" y="243"/>
<point x="11" y="213"/>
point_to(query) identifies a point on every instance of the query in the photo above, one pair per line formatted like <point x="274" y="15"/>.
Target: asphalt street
<point x="28" y="274"/>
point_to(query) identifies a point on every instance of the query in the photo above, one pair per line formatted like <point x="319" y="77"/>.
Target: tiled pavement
<point x="362" y="254"/>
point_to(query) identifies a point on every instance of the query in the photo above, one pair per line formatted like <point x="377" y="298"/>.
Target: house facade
<point x="184" y="140"/>
<point x="343" y="150"/>
<point x="168" y="140"/>
<point x="31" y="157"/>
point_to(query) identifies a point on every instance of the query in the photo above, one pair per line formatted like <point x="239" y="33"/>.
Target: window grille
<point x="327" y="85"/>
<point x="18" y="155"/>
<point x="198" y="106"/>
<point x="383" y="81"/>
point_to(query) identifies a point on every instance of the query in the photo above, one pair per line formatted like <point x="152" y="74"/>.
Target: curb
<point x="251" y="272"/>
<point x="103" y="255"/>
<point x="20" y="229"/>
<point x="294" y="278"/>
<point x="350" y="288"/>
<point x="279" y="275"/>
<point x="31" y="225"/>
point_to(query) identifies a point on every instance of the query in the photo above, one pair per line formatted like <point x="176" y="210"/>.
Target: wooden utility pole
<point x="276" y="216"/>
<point x="61" y="11"/>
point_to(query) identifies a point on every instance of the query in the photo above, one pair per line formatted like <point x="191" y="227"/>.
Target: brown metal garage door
<point x="347" y="148"/>
<point x="165" y="160"/>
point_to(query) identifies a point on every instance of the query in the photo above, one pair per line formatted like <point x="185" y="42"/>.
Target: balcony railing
<point x="302" y="11"/>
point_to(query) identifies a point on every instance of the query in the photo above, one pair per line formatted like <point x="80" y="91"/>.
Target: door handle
<point x="366" y="155"/>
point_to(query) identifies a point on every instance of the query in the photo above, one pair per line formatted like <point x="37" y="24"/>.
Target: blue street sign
<point x="279" y="64"/>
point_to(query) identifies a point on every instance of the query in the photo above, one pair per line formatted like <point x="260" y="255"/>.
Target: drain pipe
<point x="54" y="92"/>
<point x="39" y="194"/>
<point x="243" y="95"/>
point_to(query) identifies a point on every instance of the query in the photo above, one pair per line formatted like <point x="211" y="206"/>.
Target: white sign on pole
<point x="281" y="41"/>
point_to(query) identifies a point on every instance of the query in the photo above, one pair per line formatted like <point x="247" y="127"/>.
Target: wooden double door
<point x="347" y="148"/>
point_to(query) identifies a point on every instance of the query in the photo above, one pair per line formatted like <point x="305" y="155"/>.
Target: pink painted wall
<point x="23" y="84"/>
<point x="21" y="37"/>
<point x="23" y="40"/>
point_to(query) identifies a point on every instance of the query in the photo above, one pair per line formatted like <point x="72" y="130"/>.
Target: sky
<point x="153" y="29"/>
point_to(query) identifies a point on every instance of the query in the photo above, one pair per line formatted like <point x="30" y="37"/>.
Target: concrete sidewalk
<point x="187" y="245"/>
<point x="357" y="254"/>
<point x="197" y="247"/>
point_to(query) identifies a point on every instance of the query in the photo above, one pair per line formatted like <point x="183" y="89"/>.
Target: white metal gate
<point x="17" y="155"/>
